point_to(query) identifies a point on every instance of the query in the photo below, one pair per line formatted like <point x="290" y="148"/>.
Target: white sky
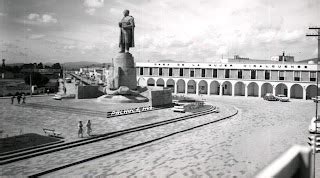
<point x="183" y="30"/>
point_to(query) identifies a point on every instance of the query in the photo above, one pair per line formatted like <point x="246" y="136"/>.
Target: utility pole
<point x="30" y="85"/>
<point x="317" y="34"/>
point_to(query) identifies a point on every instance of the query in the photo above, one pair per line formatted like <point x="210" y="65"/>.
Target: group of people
<point x="80" y="127"/>
<point x="19" y="98"/>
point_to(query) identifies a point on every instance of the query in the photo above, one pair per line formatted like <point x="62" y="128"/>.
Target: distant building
<point x="96" y="73"/>
<point x="283" y="58"/>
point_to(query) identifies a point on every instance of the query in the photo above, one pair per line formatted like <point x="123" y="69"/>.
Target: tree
<point x="40" y="66"/>
<point x="37" y="79"/>
<point x="56" y="66"/>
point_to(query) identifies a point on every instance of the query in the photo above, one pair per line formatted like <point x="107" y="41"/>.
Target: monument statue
<point x="126" y="32"/>
<point x="122" y="80"/>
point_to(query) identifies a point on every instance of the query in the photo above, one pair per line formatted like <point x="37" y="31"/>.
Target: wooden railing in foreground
<point x="296" y="162"/>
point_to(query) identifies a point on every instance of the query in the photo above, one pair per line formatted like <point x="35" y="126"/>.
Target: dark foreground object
<point x="24" y="141"/>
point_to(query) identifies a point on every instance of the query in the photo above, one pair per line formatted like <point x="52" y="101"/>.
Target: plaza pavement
<point x="237" y="147"/>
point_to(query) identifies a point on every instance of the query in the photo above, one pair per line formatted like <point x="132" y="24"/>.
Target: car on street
<point x="269" y="97"/>
<point x="57" y="97"/>
<point x="282" y="98"/>
<point x="314" y="126"/>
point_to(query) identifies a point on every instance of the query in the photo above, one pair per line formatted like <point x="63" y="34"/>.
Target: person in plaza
<point x="12" y="99"/>
<point x="89" y="128"/>
<point x="64" y="89"/>
<point x="47" y="91"/>
<point x="19" y="98"/>
<point x="80" y="127"/>
<point x="23" y="99"/>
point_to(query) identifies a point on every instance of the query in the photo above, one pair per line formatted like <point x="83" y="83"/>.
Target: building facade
<point x="232" y="77"/>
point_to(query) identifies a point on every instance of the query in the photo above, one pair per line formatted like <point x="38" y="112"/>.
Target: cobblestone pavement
<point x="44" y="162"/>
<point x="237" y="147"/>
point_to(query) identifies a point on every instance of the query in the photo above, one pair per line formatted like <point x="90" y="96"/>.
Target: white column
<point x="245" y="90"/>
<point x="220" y="90"/>
<point x="259" y="91"/>
<point x="186" y="88"/>
<point x="274" y="90"/>
<point x="197" y="88"/>
<point x="233" y="89"/>
<point x="208" y="89"/>
<point x="175" y="87"/>
<point x="304" y="93"/>
<point x="289" y="92"/>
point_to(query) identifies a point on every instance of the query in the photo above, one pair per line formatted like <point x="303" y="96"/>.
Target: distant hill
<point x="78" y="65"/>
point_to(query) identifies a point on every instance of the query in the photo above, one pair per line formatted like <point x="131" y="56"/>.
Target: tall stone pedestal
<point x="124" y="66"/>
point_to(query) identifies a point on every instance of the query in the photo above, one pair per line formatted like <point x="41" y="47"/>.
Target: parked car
<point x="269" y="97"/>
<point x="314" y="126"/>
<point x="282" y="98"/>
<point x="316" y="99"/>
<point x="57" y="97"/>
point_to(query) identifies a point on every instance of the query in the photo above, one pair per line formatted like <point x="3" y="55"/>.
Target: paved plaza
<point x="236" y="147"/>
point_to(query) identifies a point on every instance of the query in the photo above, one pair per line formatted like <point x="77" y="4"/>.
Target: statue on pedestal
<point x="126" y="32"/>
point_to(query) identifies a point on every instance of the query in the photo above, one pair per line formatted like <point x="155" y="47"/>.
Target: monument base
<point x="122" y="99"/>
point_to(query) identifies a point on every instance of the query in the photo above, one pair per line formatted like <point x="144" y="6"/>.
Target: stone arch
<point x="296" y="91"/>
<point x="192" y="86"/>
<point x="181" y="86"/>
<point x="150" y="82"/>
<point x="239" y="89"/>
<point x="142" y="82"/>
<point x="203" y="87"/>
<point x="170" y="84"/>
<point x="253" y="89"/>
<point x="226" y="88"/>
<point x="266" y="88"/>
<point x="160" y="82"/>
<point x="214" y="88"/>
<point x="311" y="91"/>
<point x="282" y="89"/>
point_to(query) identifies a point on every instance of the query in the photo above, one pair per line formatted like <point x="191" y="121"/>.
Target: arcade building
<point x="234" y="77"/>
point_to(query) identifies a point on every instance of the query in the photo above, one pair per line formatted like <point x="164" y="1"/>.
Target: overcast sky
<point x="184" y="30"/>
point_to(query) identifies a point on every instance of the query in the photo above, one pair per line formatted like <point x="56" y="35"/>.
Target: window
<point x="313" y="76"/>
<point x="170" y="71"/>
<point x="226" y="73"/>
<point x="203" y="72"/>
<point x="141" y="70"/>
<point x="160" y="71"/>
<point x="239" y="74"/>
<point x="281" y="75"/>
<point x="181" y="72"/>
<point x="150" y="71"/>
<point x="191" y="72"/>
<point x="267" y="75"/>
<point x="214" y="73"/>
<point x="296" y="75"/>
<point x="253" y="74"/>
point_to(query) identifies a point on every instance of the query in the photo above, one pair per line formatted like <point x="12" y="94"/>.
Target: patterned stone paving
<point x="238" y="147"/>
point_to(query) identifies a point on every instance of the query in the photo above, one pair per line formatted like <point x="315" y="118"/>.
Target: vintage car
<point x="269" y="97"/>
<point x="282" y="98"/>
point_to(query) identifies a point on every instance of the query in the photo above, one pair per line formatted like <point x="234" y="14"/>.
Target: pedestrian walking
<point x="23" y="99"/>
<point x="80" y="127"/>
<point x="47" y="91"/>
<point x="89" y="128"/>
<point x="19" y="98"/>
<point x="12" y="99"/>
<point x="64" y="89"/>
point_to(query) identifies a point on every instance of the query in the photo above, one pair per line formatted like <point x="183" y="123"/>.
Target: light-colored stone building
<point x="233" y="77"/>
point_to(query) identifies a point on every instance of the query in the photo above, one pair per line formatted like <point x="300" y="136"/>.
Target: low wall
<point x="87" y="92"/>
<point x="160" y="97"/>
<point x="296" y="162"/>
